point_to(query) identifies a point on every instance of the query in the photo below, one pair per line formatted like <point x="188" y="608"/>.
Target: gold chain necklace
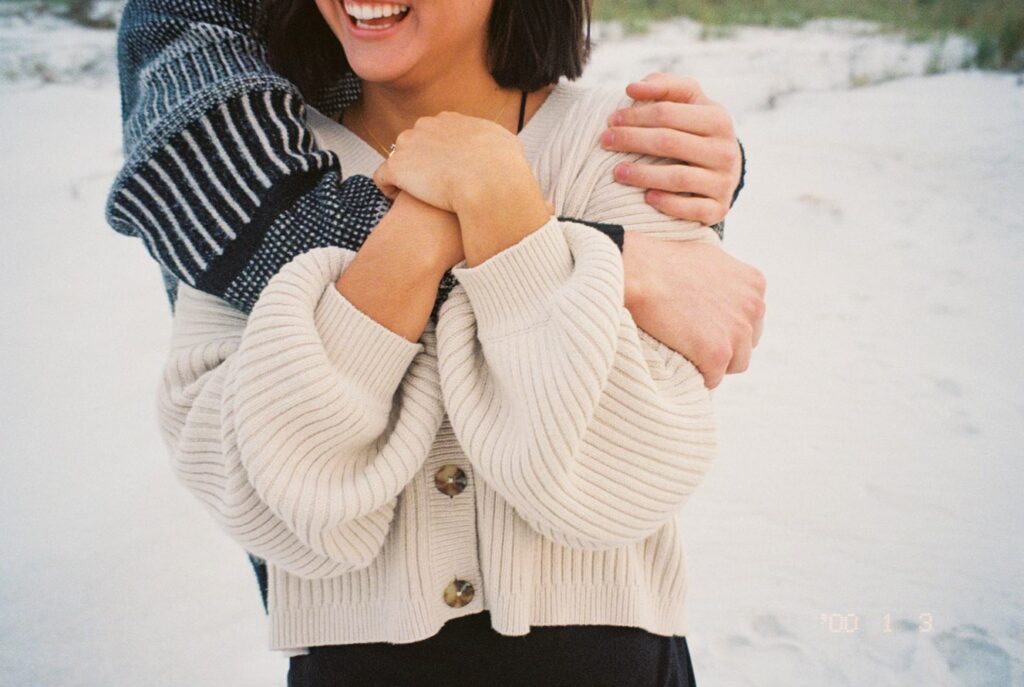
<point x="388" y="150"/>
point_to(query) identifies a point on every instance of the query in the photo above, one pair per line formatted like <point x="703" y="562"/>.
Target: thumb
<point x="384" y="179"/>
<point x="657" y="86"/>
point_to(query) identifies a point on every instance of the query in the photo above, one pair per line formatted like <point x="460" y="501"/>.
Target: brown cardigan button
<point x="450" y="479"/>
<point x="458" y="593"/>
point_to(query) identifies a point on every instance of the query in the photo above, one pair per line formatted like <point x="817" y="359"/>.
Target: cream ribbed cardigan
<point x="313" y="433"/>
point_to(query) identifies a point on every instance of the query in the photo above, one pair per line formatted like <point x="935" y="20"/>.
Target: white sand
<point x="871" y="475"/>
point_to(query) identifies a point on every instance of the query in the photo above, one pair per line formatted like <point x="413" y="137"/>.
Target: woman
<point x="485" y="496"/>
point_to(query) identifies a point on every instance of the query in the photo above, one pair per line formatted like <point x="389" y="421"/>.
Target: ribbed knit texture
<point x="313" y="433"/>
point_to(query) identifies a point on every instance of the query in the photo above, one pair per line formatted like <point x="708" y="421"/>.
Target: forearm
<point x="392" y="285"/>
<point x="496" y="215"/>
<point x="247" y="404"/>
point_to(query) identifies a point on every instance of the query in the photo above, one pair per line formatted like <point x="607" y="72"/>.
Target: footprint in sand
<point x="769" y="627"/>
<point x="775" y="655"/>
<point x="973" y="658"/>
<point x="825" y="206"/>
<point x="949" y="386"/>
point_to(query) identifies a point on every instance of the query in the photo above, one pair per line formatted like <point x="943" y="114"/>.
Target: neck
<point x="387" y="109"/>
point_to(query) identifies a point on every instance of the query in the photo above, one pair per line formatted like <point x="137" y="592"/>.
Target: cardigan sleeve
<point x="595" y="432"/>
<point x="222" y="179"/>
<point x="299" y="426"/>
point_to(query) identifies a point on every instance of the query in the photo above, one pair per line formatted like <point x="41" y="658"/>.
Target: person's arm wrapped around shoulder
<point x="222" y="178"/>
<point x="298" y="427"/>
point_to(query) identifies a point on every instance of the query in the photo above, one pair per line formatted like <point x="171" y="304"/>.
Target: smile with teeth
<point x="375" y="16"/>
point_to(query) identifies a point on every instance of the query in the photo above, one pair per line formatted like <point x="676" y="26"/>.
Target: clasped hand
<point x="695" y="298"/>
<point x="475" y="170"/>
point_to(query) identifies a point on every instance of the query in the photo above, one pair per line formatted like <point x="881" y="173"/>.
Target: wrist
<point x="495" y="218"/>
<point x="421" y="237"/>
<point x="498" y="182"/>
<point x="636" y="286"/>
<point x="404" y="252"/>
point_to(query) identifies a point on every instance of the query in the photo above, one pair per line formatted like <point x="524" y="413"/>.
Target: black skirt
<point x="467" y="652"/>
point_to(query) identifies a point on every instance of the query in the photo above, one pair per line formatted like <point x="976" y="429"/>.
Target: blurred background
<point x="863" y="524"/>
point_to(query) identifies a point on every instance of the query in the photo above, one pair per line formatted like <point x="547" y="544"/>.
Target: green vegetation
<point x="96" y="15"/>
<point x="996" y="26"/>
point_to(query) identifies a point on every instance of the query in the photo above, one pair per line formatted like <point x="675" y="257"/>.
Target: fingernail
<point x="608" y="138"/>
<point x="615" y="119"/>
<point x="622" y="171"/>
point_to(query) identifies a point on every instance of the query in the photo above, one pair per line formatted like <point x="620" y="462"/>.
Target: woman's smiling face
<point x="409" y="42"/>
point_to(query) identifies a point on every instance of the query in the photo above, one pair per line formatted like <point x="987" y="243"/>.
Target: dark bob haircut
<point x="530" y="43"/>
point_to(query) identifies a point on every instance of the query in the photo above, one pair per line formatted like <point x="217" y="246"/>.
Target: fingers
<point x="720" y="360"/>
<point x="758" y="330"/>
<point x="741" y="353"/>
<point x="712" y="380"/>
<point x="672" y="178"/>
<point x="659" y="86"/>
<point x="702" y="120"/>
<point x="383" y="178"/>
<point x="758" y="307"/>
<point x="380" y="174"/>
<point x="710" y="153"/>
<point x="749" y="332"/>
<point x="692" y="209"/>
<point x="713" y="365"/>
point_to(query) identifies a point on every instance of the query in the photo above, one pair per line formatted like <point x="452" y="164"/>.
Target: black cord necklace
<point x="522" y="112"/>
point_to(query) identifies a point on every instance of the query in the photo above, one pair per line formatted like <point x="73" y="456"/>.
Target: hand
<point x="452" y="161"/>
<point x="686" y="125"/>
<point x="696" y="299"/>
<point x="416" y="238"/>
<point x="475" y="169"/>
<point x="395" y="274"/>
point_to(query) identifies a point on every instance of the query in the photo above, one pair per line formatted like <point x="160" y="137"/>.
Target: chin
<point x="379" y="38"/>
<point x="390" y="42"/>
<point x="380" y="64"/>
<point x="375" y="72"/>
